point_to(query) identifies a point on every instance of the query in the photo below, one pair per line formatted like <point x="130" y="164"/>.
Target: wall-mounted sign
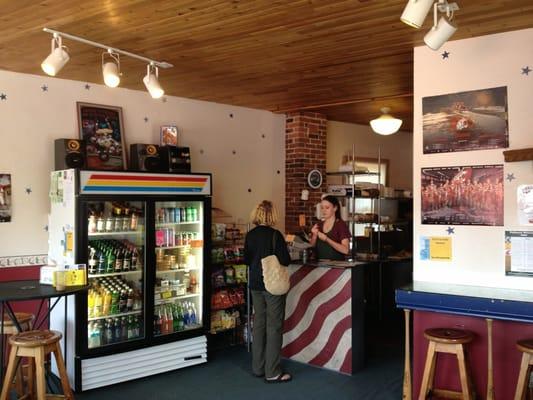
<point x="436" y="248"/>
<point x="519" y="252"/>
<point x="314" y="178"/>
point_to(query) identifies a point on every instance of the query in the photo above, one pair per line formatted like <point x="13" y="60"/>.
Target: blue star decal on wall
<point x="87" y="86"/>
<point x="450" y="230"/>
<point x="164" y="99"/>
<point x="145" y="119"/>
<point x="28" y="190"/>
<point x="510" y="177"/>
<point x="526" y="70"/>
<point x="446" y="54"/>
<point x="46" y="228"/>
<point x="3" y="96"/>
<point x="44" y="88"/>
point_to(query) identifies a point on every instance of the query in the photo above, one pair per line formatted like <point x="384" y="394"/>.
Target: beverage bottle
<point x="110" y="267"/>
<point x="138" y="326"/>
<point x="188" y="212"/>
<point x="159" y="322"/>
<point x="164" y="320"/>
<point x="119" y="260"/>
<point x="131" y="327"/>
<point x="177" y="213"/>
<point x="101" y="263"/>
<point x="126" y="264"/>
<point x="129" y="302"/>
<point x="175" y="318"/>
<point x="98" y="331"/>
<point x="123" y="301"/>
<point x="90" y="333"/>
<point x="106" y="310"/>
<point x="194" y="214"/>
<point x="181" y="324"/>
<point x="186" y="320"/>
<point x="109" y="224"/>
<point x="117" y="330"/>
<point x="193" y="315"/>
<point x="133" y="222"/>
<point x="93" y="262"/>
<point x="90" y="303"/>
<point x="134" y="259"/>
<point x="183" y="214"/>
<point x="100" y="224"/>
<point x="170" y="320"/>
<point x="124" y="326"/>
<point x="115" y="301"/>
<point x="98" y="305"/>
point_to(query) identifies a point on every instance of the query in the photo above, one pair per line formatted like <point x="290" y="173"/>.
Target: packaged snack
<point x="217" y="278"/>
<point x="240" y="273"/>
<point x="230" y="275"/>
<point x="229" y="254"/>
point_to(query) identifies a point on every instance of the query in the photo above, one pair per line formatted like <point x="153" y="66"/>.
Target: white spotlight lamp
<point x="111" y="69"/>
<point x="57" y="58"/>
<point x="151" y="82"/>
<point x="415" y="12"/>
<point x="444" y="28"/>
<point x="386" y="124"/>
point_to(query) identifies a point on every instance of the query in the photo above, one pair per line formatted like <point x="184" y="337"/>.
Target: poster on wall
<point x="5" y="197"/>
<point x="169" y="135"/>
<point x="524" y="197"/>
<point x="102" y="129"/>
<point x="519" y="252"/>
<point x="464" y="121"/>
<point x="464" y="195"/>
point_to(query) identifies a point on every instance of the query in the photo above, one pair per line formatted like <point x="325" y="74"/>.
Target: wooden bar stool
<point x="526" y="347"/>
<point x="36" y="345"/>
<point x="25" y="321"/>
<point x="444" y="340"/>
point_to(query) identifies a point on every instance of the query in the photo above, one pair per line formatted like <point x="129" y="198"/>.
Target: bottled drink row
<point x="114" y="330"/>
<point x="111" y="255"/>
<point x="169" y="237"/>
<point x="112" y="296"/>
<point x="166" y="215"/>
<point x="175" y="317"/>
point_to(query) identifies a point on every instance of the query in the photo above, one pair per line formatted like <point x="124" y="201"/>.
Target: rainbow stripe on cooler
<point x="128" y="182"/>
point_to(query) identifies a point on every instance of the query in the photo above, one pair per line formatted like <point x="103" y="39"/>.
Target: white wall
<point x="396" y="148"/>
<point x="478" y="63"/>
<point x="32" y="118"/>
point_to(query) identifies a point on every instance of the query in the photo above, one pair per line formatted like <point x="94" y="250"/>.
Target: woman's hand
<point x="315" y="230"/>
<point x="322" y="236"/>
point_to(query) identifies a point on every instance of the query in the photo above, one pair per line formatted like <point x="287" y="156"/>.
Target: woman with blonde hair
<point x="263" y="240"/>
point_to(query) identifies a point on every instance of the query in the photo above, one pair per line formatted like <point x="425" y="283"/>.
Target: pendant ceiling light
<point x="57" y="58"/>
<point x="151" y="81"/>
<point x="386" y="124"/>
<point x="111" y="68"/>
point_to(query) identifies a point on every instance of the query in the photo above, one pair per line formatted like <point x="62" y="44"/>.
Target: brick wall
<point x="305" y="144"/>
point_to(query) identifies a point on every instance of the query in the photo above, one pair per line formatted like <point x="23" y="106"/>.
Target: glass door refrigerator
<point x="144" y="238"/>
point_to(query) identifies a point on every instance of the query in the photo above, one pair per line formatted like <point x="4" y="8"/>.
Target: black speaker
<point x="70" y="153"/>
<point x="145" y="157"/>
<point x="175" y="159"/>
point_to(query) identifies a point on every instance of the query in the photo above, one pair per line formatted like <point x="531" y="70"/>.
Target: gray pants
<point x="267" y="333"/>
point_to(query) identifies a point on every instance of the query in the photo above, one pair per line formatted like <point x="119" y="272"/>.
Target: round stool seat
<point x="448" y="335"/>
<point x="525" y="346"/>
<point x="35" y="338"/>
<point x="22" y="318"/>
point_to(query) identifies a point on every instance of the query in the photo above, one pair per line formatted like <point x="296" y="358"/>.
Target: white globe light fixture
<point x="57" y="58"/>
<point x="386" y="124"/>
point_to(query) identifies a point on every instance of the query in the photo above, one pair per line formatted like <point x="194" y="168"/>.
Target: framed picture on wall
<point x="102" y="129"/>
<point x="169" y="135"/>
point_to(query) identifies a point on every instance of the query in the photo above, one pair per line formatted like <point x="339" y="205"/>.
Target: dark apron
<point x="325" y="251"/>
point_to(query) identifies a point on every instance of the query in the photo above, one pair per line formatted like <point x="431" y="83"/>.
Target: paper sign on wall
<point x="436" y="248"/>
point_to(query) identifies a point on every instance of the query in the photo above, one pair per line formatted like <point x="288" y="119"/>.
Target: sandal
<point x="281" y="378"/>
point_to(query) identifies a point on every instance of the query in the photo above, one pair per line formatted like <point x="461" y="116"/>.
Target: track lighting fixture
<point x="110" y="66"/>
<point x="386" y="124"/>
<point x="415" y="13"/>
<point x="444" y="28"/>
<point x="57" y="58"/>
<point x="151" y="81"/>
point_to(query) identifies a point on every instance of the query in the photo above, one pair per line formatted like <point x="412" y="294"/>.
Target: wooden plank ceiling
<point x="346" y="58"/>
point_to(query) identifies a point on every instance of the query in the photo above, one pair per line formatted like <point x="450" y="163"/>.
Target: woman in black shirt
<point x="263" y="240"/>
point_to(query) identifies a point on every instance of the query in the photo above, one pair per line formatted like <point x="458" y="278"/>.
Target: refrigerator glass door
<point x="179" y="266"/>
<point x="116" y="241"/>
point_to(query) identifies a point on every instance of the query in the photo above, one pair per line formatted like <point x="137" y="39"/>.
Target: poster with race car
<point x="465" y="121"/>
<point x="102" y="128"/>
<point x="464" y="195"/>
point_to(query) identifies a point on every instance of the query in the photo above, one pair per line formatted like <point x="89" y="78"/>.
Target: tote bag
<point x="275" y="275"/>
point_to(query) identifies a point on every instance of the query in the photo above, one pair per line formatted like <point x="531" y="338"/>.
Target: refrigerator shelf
<point x="115" y="315"/>
<point x="172" y="247"/>
<point x="171" y="299"/>
<point x="169" y="271"/>
<point x="169" y="224"/>
<point x="115" y="233"/>
<point x="137" y="271"/>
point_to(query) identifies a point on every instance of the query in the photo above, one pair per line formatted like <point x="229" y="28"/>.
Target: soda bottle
<point x="119" y="260"/>
<point x="181" y="325"/>
<point x="193" y="315"/>
<point x="186" y="316"/>
<point x="98" y="305"/>
<point x="129" y="302"/>
<point x="177" y="213"/>
<point x="106" y="310"/>
<point x="93" y="262"/>
<point x="123" y="301"/>
<point x="164" y="320"/>
<point x="170" y="320"/>
<point x="115" y="301"/>
<point x="126" y="264"/>
<point x="124" y="332"/>
<point x="194" y="214"/>
<point x="90" y="335"/>
<point x="101" y="263"/>
<point x="118" y="330"/>
<point x="133" y="222"/>
<point x="158" y="322"/>
<point x="175" y="319"/>
<point x="90" y="303"/>
<point x="131" y="327"/>
<point x="110" y="267"/>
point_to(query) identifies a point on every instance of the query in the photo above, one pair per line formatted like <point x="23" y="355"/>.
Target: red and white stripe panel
<point x="318" y="318"/>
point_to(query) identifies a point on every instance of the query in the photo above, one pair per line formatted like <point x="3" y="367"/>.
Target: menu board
<point x="519" y="252"/>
